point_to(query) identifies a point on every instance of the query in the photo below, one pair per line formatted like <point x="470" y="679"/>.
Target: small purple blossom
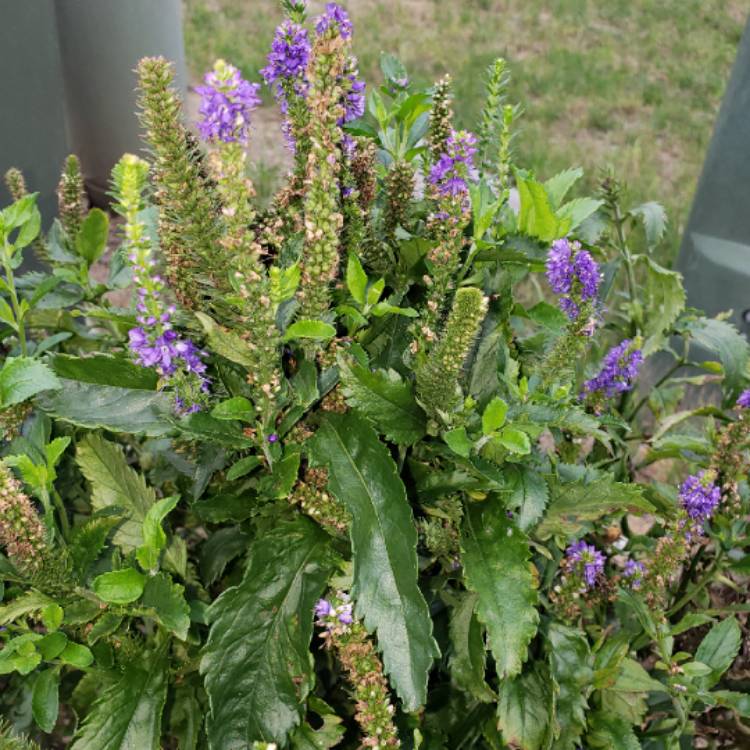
<point x="455" y="168"/>
<point x="573" y="273"/>
<point x="589" y="560"/>
<point x="619" y="369"/>
<point x="699" y="495"/>
<point x="634" y="571"/>
<point x="227" y="101"/>
<point x="322" y="608"/>
<point x="334" y="15"/>
<point x="273" y="438"/>
<point x="354" y="98"/>
<point x="332" y="614"/>
<point x="744" y="400"/>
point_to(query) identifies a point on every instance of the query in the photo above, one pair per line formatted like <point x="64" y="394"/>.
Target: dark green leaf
<point x="607" y="732"/>
<point x="104" y="369"/>
<point x="88" y="542"/>
<point x="91" y="241"/>
<point x="234" y="408"/>
<point x="496" y="559"/>
<point x="167" y="600"/>
<point x="45" y="700"/>
<point x="222" y="546"/>
<point x="524" y="709"/>
<point x="719" y="649"/>
<point x="256" y="662"/>
<point x="529" y="496"/>
<point x="468" y="654"/>
<point x="364" y="478"/>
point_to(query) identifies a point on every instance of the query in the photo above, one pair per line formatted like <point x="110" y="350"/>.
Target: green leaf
<point x="536" y="217"/>
<point x="284" y="282"/>
<point x="529" y="496"/>
<point x="154" y="537"/>
<point x="242" y="467"/>
<point x="77" y="655"/>
<point x="385" y="400"/>
<point x="654" y="219"/>
<point x="45" y="699"/>
<point x="52" y="616"/>
<point x="91" y="241"/>
<point x="574" y="503"/>
<point x="468" y="654"/>
<point x="52" y="645"/>
<point x="18" y="213"/>
<point x="719" y="649"/>
<point x="363" y="476"/>
<point x="493" y="417"/>
<point x="105" y="369"/>
<point x="514" y="440"/>
<point x="127" y="715"/>
<point x="167" y="600"/>
<point x="356" y="279"/>
<point x="119" y="586"/>
<point x="309" y="329"/>
<point x="739" y="702"/>
<point x="607" y="732"/>
<point x="106" y="625"/>
<point x="496" y="559"/>
<point x="235" y="408"/>
<point x="23" y="377"/>
<point x="88" y="542"/>
<point x="279" y="483"/>
<point x="578" y="210"/>
<point x="557" y="187"/>
<point x="633" y="678"/>
<point x="570" y="664"/>
<point x="664" y="300"/>
<point x="226" y="343"/>
<point x="222" y="547"/>
<point x="256" y="663"/>
<point x="25" y="604"/>
<point x="114" y="484"/>
<point x="458" y="441"/>
<point x="524" y="709"/>
<point x="112" y="408"/>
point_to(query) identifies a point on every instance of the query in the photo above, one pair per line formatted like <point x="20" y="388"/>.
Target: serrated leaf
<point x="570" y="664"/>
<point x="284" y="282"/>
<point x="496" y="560"/>
<point x="127" y="715"/>
<point x="557" y="187"/>
<point x="107" y="624"/>
<point x="45" y="699"/>
<point x="529" y="496"/>
<point x="654" y="219"/>
<point x="167" y="600"/>
<point x="664" y="300"/>
<point x="468" y="654"/>
<point x="25" y="604"/>
<point x="385" y="400"/>
<point x="119" y="586"/>
<point x="524" y="709"/>
<point x="114" y="484"/>
<point x="256" y="663"/>
<point x="536" y="217"/>
<point x="112" y="408"/>
<point x="23" y="377"/>
<point x="719" y="648"/>
<point x="88" y="542"/>
<point x="153" y="534"/>
<point x="363" y="476"/>
<point x="574" y="503"/>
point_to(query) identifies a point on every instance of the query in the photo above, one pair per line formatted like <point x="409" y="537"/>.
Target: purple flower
<point x="288" y="58"/>
<point x="344" y="614"/>
<point x="354" y="98"/>
<point x="455" y="168"/>
<point x="744" y="400"/>
<point x="226" y="103"/>
<point x="634" y="572"/>
<point x="573" y="273"/>
<point x="334" y="15"/>
<point x="619" y="368"/>
<point x="588" y="560"/>
<point x="699" y="495"/>
<point x="273" y="438"/>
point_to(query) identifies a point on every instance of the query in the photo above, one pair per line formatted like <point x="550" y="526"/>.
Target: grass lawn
<point x="635" y="84"/>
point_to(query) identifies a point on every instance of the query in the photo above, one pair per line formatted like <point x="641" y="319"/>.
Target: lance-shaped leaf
<point x="128" y="713"/>
<point x="115" y="484"/>
<point x="385" y="400"/>
<point x="524" y="709"/>
<point x="256" y="663"/>
<point x="363" y="476"/>
<point x="468" y="656"/>
<point x="495" y="555"/>
<point x="719" y="649"/>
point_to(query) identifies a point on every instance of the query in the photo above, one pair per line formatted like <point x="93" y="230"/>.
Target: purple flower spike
<point x="699" y="495"/>
<point x="289" y="55"/>
<point x="227" y="100"/>
<point x="619" y="369"/>
<point x="743" y="402"/>
<point x="589" y="560"/>
<point x="573" y="273"/>
<point x="334" y="15"/>
<point x="634" y="572"/>
<point x="455" y="168"/>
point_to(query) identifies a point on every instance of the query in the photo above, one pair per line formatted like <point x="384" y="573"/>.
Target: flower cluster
<point x="288" y="58"/>
<point x="455" y="168"/>
<point x="699" y="496"/>
<point x="334" y="614"/>
<point x="634" y="572"/>
<point x="586" y="560"/>
<point x="334" y="16"/>
<point x="574" y="274"/>
<point x="744" y="399"/>
<point x="227" y="101"/>
<point x="619" y="370"/>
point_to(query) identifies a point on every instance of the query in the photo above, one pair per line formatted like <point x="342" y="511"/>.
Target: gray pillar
<point x="715" y="252"/>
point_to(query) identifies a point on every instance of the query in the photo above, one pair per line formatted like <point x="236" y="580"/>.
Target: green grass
<point x="635" y="84"/>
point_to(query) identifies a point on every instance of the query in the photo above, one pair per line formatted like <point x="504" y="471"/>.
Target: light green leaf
<point x="256" y="663"/>
<point x="458" y="441"/>
<point x="356" y="279"/>
<point x="52" y="616"/>
<point x="25" y="604"/>
<point x="115" y="484"/>
<point x="529" y="496"/>
<point x="45" y="699"/>
<point x="119" y="586"/>
<point x="363" y="476"/>
<point x="383" y="308"/>
<point x="557" y="187"/>
<point x="536" y="218"/>
<point x="578" y="210"/>
<point x="719" y="649"/>
<point x="664" y="299"/>
<point x="633" y="678"/>
<point x="18" y="213"/>
<point x="385" y="400"/>
<point x="127" y="715"/>
<point x="739" y="702"/>
<point x="77" y="655"/>
<point x="167" y="600"/>
<point x="154" y="537"/>
<point x="574" y="503"/>
<point x="524" y="709"/>
<point x="496" y="559"/>
<point x="607" y="732"/>
<point x="52" y="645"/>
<point x="309" y="329"/>
<point x="284" y="282"/>
<point x="23" y="377"/>
<point x="654" y="219"/>
<point x="514" y="440"/>
<point x="468" y="653"/>
<point x="235" y="408"/>
<point x="493" y="417"/>
<point x="224" y="342"/>
<point x="91" y="241"/>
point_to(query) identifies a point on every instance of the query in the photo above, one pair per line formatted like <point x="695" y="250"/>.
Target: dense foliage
<point x="419" y="455"/>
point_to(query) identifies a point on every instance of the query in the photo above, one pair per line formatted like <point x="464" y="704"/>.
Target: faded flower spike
<point x="587" y="561"/>
<point x="619" y="369"/>
<point x="227" y="101"/>
<point x="699" y="496"/>
<point x="574" y="274"/>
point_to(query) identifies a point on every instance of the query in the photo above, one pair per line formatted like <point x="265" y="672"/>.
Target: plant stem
<point x="704" y="580"/>
<point x="11" y="283"/>
<point x="630" y="269"/>
<point x="61" y="512"/>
